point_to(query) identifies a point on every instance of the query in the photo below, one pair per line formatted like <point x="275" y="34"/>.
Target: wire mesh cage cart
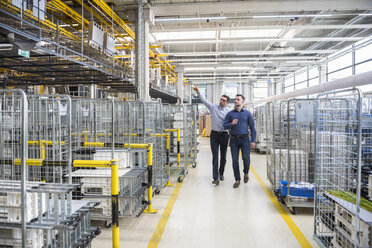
<point x="100" y="130"/>
<point x="343" y="210"/>
<point x="35" y="198"/>
<point x="297" y="181"/>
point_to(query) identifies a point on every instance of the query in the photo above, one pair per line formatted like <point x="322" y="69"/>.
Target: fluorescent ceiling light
<point x="366" y="14"/>
<point x="198" y="63"/>
<point x="255" y="59"/>
<point x="232" y="68"/>
<point x="191" y="19"/>
<point x="68" y="25"/>
<point x="199" y="69"/>
<point x="190" y="41"/>
<point x="251" y="62"/>
<point x="292" y="16"/>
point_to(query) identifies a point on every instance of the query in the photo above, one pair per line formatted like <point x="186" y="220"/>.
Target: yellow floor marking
<point x="156" y="237"/>
<point x="292" y="226"/>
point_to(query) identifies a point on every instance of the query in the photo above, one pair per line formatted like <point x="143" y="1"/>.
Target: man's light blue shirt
<point x="218" y="114"/>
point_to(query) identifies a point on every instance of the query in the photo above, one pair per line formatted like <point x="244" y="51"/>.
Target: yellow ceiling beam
<point x="122" y="47"/>
<point x="102" y="4"/>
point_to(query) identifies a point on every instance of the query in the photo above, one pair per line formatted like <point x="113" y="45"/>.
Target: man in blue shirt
<point x="239" y="121"/>
<point x="219" y="135"/>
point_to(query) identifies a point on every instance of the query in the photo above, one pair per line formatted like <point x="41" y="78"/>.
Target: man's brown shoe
<point x="236" y="184"/>
<point x="246" y="178"/>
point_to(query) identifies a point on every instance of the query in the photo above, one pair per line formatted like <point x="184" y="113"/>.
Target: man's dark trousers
<point x="219" y="140"/>
<point x="240" y="143"/>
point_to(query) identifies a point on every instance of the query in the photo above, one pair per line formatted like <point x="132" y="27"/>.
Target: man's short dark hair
<point x="227" y="97"/>
<point x="240" y="96"/>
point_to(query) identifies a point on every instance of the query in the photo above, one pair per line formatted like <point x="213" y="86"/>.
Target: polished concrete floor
<point x="205" y="215"/>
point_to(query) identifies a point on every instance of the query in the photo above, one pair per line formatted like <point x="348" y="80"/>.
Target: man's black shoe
<point x="246" y="178"/>
<point x="236" y="184"/>
<point x="222" y="178"/>
<point x="216" y="181"/>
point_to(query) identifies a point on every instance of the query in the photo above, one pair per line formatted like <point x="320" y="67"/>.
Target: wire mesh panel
<point x="13" y="131"/>
<point x="160" y="171"/>
<point x="366" y="149"/>
<point x="260" y="118"/>
<point x="167" y="122"/>
<point x="297" y="187"/>
<point x="49" y="138"/>
<point x="343" y="217"/>
<point x="179" y="148"/>
<point x="276" y="113"/>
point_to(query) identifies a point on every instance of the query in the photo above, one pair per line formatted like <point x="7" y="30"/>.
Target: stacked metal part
<point x="193" y="135"/>
<point x="35" y="192"/>
<point x="343" y="211"/>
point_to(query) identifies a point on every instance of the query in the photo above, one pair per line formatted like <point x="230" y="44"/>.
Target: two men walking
<point x="238" y="121"/>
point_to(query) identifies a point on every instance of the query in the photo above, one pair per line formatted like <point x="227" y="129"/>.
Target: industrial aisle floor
<point x="206" y="216"/>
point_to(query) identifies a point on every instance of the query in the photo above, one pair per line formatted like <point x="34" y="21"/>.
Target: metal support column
<point x="140" y="62"/>
<point x="180" y="70"/>
<point x="322" y="74"/>
<point x="209" y="92"/>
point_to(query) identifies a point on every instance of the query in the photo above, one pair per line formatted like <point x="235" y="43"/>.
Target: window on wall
<point x="363" y="56"/>
<point x="340" y="62"/>
<point x="364" y="67"/>
<point x="230" y="89"/>
<point x="301" y="77"/>
<point x="203" y="89"/>
<point x="340" y="74"/>
<point x="301" y="80"/>
<point x="313" y="76"/>
<point x="260" y="92"/>
<point x="288" y="84"/>
<point x="301" y="85"/>
<point x="313" y="73"/>
<point x="363" y="53"/>
<point x="314" y="81"/>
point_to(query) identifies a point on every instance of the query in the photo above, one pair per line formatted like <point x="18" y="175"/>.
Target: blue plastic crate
<point x="293" y="191"/>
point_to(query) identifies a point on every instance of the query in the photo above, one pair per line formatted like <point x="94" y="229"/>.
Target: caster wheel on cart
<point x="180" y="179"/>
<point x="157" y="191"/>
<point x="194" y="165"/>
<point x="108" y="224"/>
<point x="293" y="211"/>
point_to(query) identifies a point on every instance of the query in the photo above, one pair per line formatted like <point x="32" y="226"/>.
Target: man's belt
<point x="239" y="136"/>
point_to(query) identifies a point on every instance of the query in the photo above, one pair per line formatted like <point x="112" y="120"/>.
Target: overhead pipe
<point x="347" y="82"/>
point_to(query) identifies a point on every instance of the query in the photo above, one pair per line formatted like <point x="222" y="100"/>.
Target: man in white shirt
<point x="219" y="135"/>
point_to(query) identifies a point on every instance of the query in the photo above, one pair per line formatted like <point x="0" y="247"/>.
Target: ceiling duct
<point x="21" y="42"/>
